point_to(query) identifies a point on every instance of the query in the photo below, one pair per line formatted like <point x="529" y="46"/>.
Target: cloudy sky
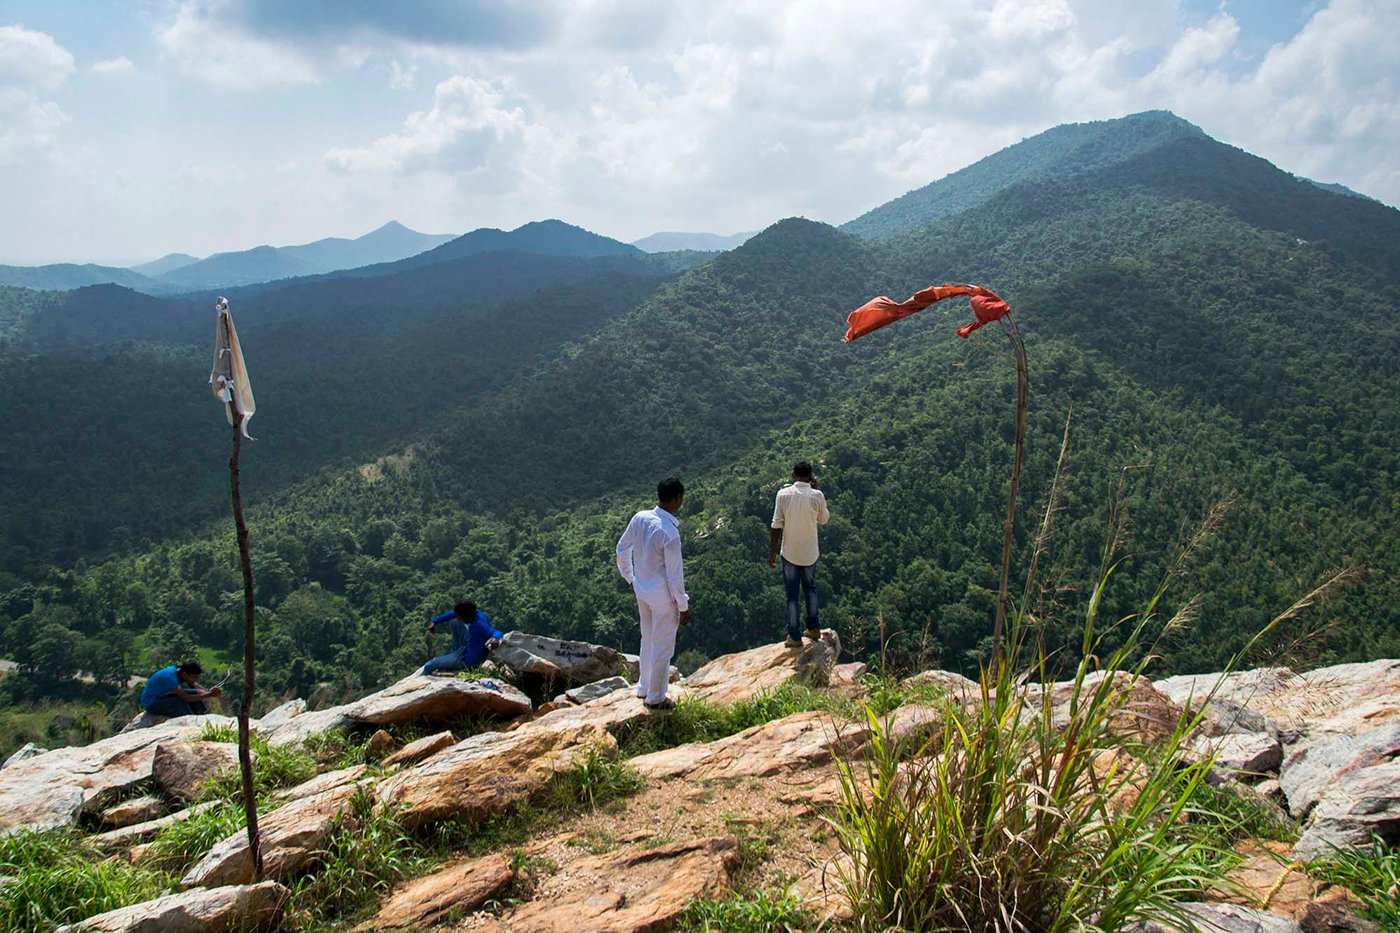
<point x="133" y="128"/>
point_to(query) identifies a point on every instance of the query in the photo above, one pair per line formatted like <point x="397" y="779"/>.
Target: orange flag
<point x="987" y="306"/>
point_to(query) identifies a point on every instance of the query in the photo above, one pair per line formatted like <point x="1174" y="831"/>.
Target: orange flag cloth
<point x="987" y="306"/>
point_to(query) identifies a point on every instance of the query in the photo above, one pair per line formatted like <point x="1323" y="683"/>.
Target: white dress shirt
<point x="798" y="512"/>
<point x="649" y="558"/>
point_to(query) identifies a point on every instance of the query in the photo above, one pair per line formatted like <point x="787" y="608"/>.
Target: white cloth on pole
<point x="228" y="380"/>
<point x="659" y="624"/>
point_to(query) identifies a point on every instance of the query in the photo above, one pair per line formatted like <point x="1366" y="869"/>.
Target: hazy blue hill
<point x="388" y="243"/>
<point x="1071" y="149"/>
<point x="547" y="237"/>
<point x="704" y="242"/>
<point x="65" y="275"/>
<point x="167" y="263"/>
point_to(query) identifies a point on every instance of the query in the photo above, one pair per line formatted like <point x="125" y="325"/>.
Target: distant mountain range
<point x="167" y="263"/>
<point x="705" y="242"/>
<point x="268" y="263"/>
<point x="61" y="276"/>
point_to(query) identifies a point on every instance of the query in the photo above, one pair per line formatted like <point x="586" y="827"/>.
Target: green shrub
<point x="49" y="879"/>
<point x="698" y="720"/>
<point x="274" y="767"/>
<point x="1373" y="875"/>
<point x="759" y="911"/>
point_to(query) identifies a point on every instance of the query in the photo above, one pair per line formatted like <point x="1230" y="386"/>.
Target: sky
<point x="134" y="128"/>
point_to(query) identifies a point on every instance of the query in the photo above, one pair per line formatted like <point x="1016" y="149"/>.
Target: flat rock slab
<point x="1345" y="699"/>
<point x="1223" y="918"/>
<point x="596" y="690"/>
<point x="1242" y="753"/>
<point x="425" y="747"/>
<point x="235" y="909"/>
<point x="280" y="715"/>
<point x="489" y="772"/>
<point x="27" y="750"/>
<point x="51" y="790"/>
<point x="742" y="676"/>
<point x="463" y="886"/>
<point x="570" y="662"/>
<point x="291" y="837"/>
<point x="181" y="769"/>
<point x="795" y="741"/>
<point x="134" y="811"/>
<point x="1314" y="767"/>
<point x="625" y="892"/>
<point x="614" y="711"/>
<point x="416" y="698"/>
<point x="140" y="832"/>
<point x="1360" y="804"/>
<point x="329" y="780"/>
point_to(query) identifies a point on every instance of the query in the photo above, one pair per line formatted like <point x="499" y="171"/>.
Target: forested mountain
<point x="65" y="275"/>
<point x="1220" y="329"/>
<point x="388" y="243"/>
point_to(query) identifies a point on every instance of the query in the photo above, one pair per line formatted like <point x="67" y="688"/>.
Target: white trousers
<point x="659" y="624"/>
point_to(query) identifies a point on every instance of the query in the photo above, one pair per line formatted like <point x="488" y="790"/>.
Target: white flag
<point x="229" y="378"/>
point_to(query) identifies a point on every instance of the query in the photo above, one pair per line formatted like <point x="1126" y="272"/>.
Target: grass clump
<point x="49" y="879"/>
<point x="1373" y="875"/>
<point x="597" y="777"/>
<point x="181" y="844"/>
<point x="698" y="720"/>
<point x="368" y="852"/>
<point x="1008" y="816"/>
<point x="757" y="911"/>
<point x="274" y="767"/>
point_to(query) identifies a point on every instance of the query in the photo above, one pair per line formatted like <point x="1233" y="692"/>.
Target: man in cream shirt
<point x="649" y="558"/>
<point x="800" y="508"/>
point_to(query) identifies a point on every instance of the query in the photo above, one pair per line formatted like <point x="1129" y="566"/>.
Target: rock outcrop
<point x="416" y="698"/>
<point x="181" y="769"/>
<point x="737" y="677"/>
<point x="51" y="790"/>
<point x="136" y="810"/>
<point x="461" y="886"/>
<point x="236" y="909"/>
<point x="419" y="749"/>
<point x="27" y="750"/>
<point x="291" y="838"/>
<point x="488" y="773"/>
<point x="799" y="740"/>
<point x="555" y="660"/>
<point x="630" y="891"/>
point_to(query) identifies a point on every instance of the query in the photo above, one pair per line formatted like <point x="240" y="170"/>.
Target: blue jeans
<point x="172" y="706"/>
<point x="805" y="579"/>
<point x="456" y="659"/>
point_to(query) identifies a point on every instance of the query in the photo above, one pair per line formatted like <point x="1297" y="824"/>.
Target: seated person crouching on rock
<point x="472" y="639"/>
<point x="175" y="691"/>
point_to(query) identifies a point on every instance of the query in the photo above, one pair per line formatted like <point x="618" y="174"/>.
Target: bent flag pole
<point x="229" y="382"/>
<point x="987" y="307"/>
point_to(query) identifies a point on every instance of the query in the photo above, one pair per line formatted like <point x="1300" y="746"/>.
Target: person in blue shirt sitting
<point x="472" y="639"/>
<point x="175" y="691"/>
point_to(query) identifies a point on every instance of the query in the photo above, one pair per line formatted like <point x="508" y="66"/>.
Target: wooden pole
<point x="1013" y="334"/>
<point x="245" y="758"/>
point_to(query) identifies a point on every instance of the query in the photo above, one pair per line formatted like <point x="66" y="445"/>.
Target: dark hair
<point x="466" y="611"/>
<point x="802" y="470"/>
<point x="191" y="667"/>
<point x="669" y="489"/>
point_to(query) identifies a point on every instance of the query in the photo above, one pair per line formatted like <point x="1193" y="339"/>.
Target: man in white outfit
<point x="649" y="558"/>
<point x="799" y="509"/>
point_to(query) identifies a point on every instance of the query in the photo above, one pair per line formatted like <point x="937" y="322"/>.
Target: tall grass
<point x="49" y="879"/>
<point x="1373" y="875"/>
<point x="180" y="845"/>
<point x="1009" y="818"/>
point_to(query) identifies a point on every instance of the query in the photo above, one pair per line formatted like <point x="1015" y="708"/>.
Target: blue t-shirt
<point x="162" y="682"/>
<point x="479" y="632"/>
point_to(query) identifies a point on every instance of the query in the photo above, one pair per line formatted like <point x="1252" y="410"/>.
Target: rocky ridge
<point x="1323" y="745"/>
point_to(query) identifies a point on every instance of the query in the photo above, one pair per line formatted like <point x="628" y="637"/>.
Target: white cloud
<point x="212" y="50"/>
<point x="112" y="66"/>
<point x="32" y="67"/>
<point x="401" y="78"/>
